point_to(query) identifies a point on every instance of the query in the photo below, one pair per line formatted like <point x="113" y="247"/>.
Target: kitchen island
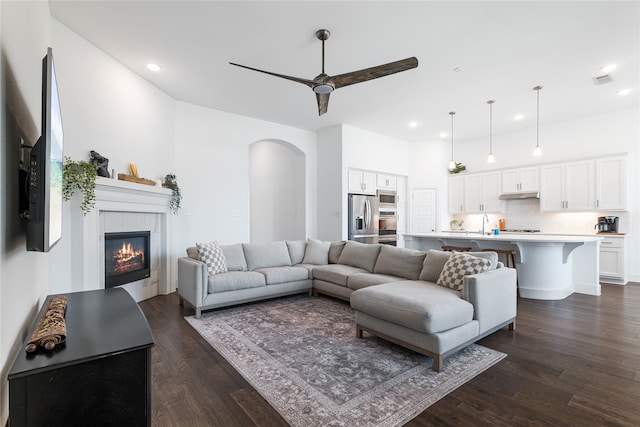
<point x="550" y="267"/>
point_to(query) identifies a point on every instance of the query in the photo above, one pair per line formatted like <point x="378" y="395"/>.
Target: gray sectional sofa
<point x="394" y="291"/>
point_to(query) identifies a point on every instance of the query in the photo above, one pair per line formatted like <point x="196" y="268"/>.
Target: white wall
<point x="330" y="188"/>
<point x="276" y="187"/>
<point x="111" y="110"/>
<point x="25" y="277"/>
<point x="212" y="165"/>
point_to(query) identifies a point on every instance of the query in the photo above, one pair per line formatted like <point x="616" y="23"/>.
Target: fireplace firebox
<point x="126" y="257"/>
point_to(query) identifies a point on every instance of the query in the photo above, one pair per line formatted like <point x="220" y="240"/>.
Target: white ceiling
<point x="503" y="50"/>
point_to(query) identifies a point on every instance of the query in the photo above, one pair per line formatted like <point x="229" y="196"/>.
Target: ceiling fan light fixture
<point x="322" y="89"/>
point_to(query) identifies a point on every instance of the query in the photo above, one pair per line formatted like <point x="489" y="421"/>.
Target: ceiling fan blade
<point x="323" y="102"/>
<point x="309" y="83"/>
<point x="359" y="76"/>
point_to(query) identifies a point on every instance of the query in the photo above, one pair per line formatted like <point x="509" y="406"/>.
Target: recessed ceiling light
<point x="518" y="117"/>
<point x="624" y="92"/>
<point x="443" y="135"/>
<point x="413" y="124"/>
<point x="608" y="68"/>
<point x="153" y="67"/>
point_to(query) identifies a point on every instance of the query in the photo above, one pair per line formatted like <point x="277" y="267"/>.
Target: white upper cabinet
<point x="611" y="183"/>
<point x="482" y="192"/>
<point x="456" y="194"/>
<point x="567" y="186"/>
<point x="362" y="182"/>
<point x="386" y="182"/>
<point x="401" y="190"/>
<point x="523" y="180"/>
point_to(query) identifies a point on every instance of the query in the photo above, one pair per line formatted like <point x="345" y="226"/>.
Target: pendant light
<point x="452" y="163"/>
<point x="537" y="150"/>
<point x="491" y="158"/>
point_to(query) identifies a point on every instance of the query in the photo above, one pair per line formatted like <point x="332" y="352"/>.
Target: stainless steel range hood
<point x="520" y="195"/>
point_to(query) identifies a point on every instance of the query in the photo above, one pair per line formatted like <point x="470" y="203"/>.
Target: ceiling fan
<point x="324" y="84"/>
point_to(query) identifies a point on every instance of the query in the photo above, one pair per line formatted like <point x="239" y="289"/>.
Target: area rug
<point x="301" y="354"/>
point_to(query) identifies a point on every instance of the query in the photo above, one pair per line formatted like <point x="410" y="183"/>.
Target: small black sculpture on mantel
<point x="101" y="163"/>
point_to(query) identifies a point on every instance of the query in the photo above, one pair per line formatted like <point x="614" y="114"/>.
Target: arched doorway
<point x="276" y="191"/>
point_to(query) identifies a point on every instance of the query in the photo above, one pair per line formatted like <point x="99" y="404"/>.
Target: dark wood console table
<point x="100" y="376"/>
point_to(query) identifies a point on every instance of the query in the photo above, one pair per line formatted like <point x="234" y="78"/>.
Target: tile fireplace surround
<point x="122" y="206"/>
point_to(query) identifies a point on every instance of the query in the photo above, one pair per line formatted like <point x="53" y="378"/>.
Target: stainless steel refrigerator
<point x="363" y="218"/>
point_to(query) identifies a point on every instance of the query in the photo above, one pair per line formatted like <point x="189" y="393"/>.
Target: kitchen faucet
<point x="485" y="218"/>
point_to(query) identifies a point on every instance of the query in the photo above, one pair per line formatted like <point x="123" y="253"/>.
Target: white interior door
<point x="423" y="210"/>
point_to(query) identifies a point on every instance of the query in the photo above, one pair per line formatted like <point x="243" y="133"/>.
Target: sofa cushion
<point x="192" y="252"/>
<point x="309" y="268"/>
<point x="317" y="252"/>
<point x="234" y="256"/>
<point x="272" y="254"/>
<point x="275" y="275"/>
<point x="459" y="265"/>
<point x="235" y="280"/>
<point x="335" y="250"/>
<point x="489" y="255"/>
<point x="433" y="263"/>
<point x="362" y="280"/>
<point x="212" y="256"/>
<point x="399" y="262"/>
<point x="421" y="306"/>
<point x="336" y="273"/>
<point x="361" y="255"/>
<point x="296" y="250"/>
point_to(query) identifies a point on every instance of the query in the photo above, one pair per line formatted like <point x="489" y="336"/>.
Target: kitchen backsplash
<point x="525" y="214"/>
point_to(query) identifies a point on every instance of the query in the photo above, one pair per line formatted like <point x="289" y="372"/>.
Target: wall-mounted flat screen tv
<point x="44" y="185"/>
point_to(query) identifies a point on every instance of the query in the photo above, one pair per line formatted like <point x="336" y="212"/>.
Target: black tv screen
<point x="44" y="229"/>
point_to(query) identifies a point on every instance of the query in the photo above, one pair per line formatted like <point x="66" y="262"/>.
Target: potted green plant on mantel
<point x="171" y="182"/>
<point x="80" y="176"/>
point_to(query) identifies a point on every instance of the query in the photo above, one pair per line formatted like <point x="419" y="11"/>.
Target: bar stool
<point x="456" y="249"/>
<point x="508" y="255"/>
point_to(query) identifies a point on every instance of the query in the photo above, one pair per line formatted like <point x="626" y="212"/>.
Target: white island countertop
<point x="550" y="266"/>
<point x="508" y="237"/>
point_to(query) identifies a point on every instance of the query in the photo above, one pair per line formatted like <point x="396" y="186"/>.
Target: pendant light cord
<point x="451" y="114"/>
<point x="537" y="89"/>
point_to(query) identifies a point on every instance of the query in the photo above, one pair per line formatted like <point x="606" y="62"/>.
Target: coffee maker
<point x="607" y="224"/>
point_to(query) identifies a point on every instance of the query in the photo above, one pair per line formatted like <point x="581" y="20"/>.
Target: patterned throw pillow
<point x="213" y="257"/>
<point x="459" y="265"/>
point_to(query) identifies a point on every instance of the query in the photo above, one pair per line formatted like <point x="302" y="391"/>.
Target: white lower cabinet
<point x="612" y="265"/>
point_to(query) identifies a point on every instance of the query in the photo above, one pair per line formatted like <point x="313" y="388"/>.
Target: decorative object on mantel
<point x="81" y="176"/>
<point x="101" y="164"/>
<point x="171" y="182"/>
<point x="133" y="170"/>
<point x="131" y="178"/>
<point x="134" y="176"/>
<point x="51" y="329"/>
<point x="458" y="167"/>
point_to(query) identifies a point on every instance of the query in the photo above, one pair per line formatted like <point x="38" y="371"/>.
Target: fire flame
<point x="127" y="253"/>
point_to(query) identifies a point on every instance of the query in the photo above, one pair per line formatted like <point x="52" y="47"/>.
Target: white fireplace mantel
<point x="88" y="233"/>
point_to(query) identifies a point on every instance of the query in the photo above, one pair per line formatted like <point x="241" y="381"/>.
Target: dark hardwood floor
<point x="574" y="362"/>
